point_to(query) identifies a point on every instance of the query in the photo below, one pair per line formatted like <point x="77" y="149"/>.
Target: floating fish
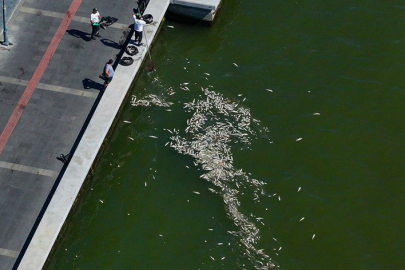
<point x="101" y="201"/>
<point x="130" y="138"/>
<point x="301" y="219"/>
<point x="125" y="121"/>
<point x="153" y="136"/>
<point x="316" y="114"/>
<point x="299" y="139"/>
<point x="313" y="236"/>
<point x="299" y="189"/>
<point x="170" y="26"/>
<point x="269" y="90"/>
<point x="235" y="65"/>
<point x="216" y="123"/>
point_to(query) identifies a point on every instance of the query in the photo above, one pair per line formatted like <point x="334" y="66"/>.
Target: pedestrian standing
<point x="108" y="73"/>
<point x="95" y="23"/>
<point x="138" y="27"/>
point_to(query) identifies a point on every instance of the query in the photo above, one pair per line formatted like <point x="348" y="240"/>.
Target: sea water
<point x="312" y="167"/>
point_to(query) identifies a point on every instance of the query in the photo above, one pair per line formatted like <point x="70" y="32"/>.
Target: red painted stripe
<point x="29" y="90"/>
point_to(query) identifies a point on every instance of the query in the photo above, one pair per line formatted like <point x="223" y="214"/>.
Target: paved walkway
<point x="49" y="87"/>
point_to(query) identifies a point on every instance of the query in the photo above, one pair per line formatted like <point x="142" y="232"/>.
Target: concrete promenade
<point x="51" y="103"/>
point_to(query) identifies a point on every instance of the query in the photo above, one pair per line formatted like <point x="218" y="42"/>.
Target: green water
<point x="343" y="60"/>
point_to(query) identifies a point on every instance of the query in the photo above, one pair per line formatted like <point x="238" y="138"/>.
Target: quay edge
<point x="204" y="10"/>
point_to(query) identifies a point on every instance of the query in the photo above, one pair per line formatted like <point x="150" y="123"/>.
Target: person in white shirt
<point x="95" y="23"/>
<point x="138" y="27"/>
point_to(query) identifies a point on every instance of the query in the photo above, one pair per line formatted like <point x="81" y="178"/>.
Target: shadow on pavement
<point x="79" y="34"/>
<point x="90" y="84"/>
<point x="110" y="43"/>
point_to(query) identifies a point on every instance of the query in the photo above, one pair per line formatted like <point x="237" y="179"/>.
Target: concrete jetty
<point x="51" y="103"/>
<point x="87" y="150"/>
<point x="195" y="9"/>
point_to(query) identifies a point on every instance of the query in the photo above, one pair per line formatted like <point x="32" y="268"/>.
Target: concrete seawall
<point x="65" y="195"/>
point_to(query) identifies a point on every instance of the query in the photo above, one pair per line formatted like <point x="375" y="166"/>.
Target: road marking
<point x="50" y="87"/>
<point x="9" y="253"/>
<point x="28" y="169"/>
<point x="33" y="83"/>
<point x="61" y="15"/>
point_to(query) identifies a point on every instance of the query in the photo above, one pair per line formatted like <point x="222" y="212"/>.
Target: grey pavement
<point x="58" y="110"/>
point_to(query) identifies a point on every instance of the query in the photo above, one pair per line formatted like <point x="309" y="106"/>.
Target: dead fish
<point x="130" y="138"/>
<point x="299" y="139"/>
<point x="146" y="184"/>
<point x="240" y="95"/>
<point x="235" y="65"/>
<point x="222" y="258"/>
<point x="153" y="136"/>
<point x="316" y="114"/>
<point x="220" y="244"/>
<point x="207" y="74"/>
<point x="170" y="26"/>
<point x="212" y="258"/>
<point x="101" y="201"/>
<point x="299" y="189"/>
<point x="196" y="192"/>
<point x="269" y="90"/>
<point x="279" y="198"/>
<point x="125" y="121"/>
<point x="313" y="236"/>
<point x="301" y="219"/>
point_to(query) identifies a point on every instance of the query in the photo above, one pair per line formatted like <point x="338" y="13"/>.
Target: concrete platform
<point x="48" y="114"/>
<point x="195" y="9"/>
<point x="71" y="182"/>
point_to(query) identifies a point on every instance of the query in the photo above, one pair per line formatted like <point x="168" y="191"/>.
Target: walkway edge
<point x="86" y="152"/>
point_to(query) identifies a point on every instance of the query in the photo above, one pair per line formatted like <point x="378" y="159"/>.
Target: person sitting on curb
<point x="138" y="27"/>
<point x="95" y="23"/>
<point x="108" y="73"/>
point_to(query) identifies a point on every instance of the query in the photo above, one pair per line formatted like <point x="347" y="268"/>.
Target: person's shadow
<point x="88" y="84"/>
<point x="79" y="34"/>
<point x="110" y="43"/>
